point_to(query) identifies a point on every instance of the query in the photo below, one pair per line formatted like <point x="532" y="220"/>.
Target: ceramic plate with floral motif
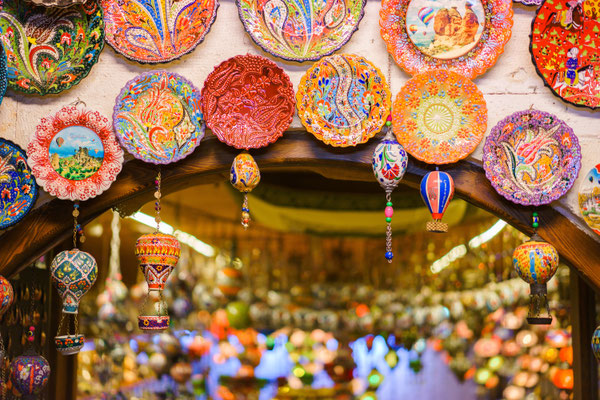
<point x="343" y="100"/>
<point x="565" y="38"/>
<point x="157" y="31"/>
<point x="532" y="158"/>
<point x="74" y="154"/>
<point x="18" y="190"/>
<point x="248" y="101"/>
<point x="589" y="199"/>
<point x="464" y="36"/>
<point x="297" y="30"/>
<point x="158" y="117"/>
<point x="50" y="49"/>
<point x="439" y="117"/>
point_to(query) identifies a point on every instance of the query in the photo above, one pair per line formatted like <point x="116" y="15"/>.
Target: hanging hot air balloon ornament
<point x="29" y="372"/>
<point x="596" y="343"/>
<point x="389" y="165"/>
<point x="244" y="176"/>
<point x="158" y="254"/>
<point x="536" y="262"/>
<point x="7" y="296"/>
<point x="437" y="190"/>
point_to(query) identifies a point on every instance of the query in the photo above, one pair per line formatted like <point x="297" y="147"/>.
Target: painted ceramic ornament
<point x="158" y="117"/>
<point x="596" y="343"/>
<point x="589" y="199"/>
<point x="536" y="261"/>
<point x="300" y="31"/>
<point x="244" y="176"/>
<point x="50" y="49"/>
<point x="157" y="31"/>
<point x="563" y="42"/>
<point x="437" y="190"/>
<point x="439" y="117"/>
<point x="18" y="190"/>
<point x="29" y="374"/>
<point x="73" y="273"/>
<point x="389" y="165"/>
<point x="7" y="295"/>
<point x="248" y="101"/>
<point x="465" y="36"/>
<point x="158" y="254"/>
<point x="343" y="100"/>
<point x="532" y="158"/>
<point x="69" y="344"/>
<point x="229" y="280"/>
<point x="74" y="154"/>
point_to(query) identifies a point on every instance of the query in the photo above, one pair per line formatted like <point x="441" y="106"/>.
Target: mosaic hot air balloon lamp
<point x="389" y="165"/>
<point x="158" y="254"/>
<point x="29" y="373"/>
<point x="437" y="190"/>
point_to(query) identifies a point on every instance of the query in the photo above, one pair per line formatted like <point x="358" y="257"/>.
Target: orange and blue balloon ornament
<point x="437" y="190"/>
<point x="389" y="165"/>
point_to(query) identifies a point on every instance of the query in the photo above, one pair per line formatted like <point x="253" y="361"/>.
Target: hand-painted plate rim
<point x="302" y="59"/>
<point x="320" y="137"/>
<point x="34" y="188"/>
<point x="277" y="135"/>
<point x="146" y="62"/>
<point x="491" y="141"/>
<point x="116" y="110"/>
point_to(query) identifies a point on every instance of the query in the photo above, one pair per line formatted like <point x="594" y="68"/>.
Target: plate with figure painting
<point x="589" y="199"/>
<point x="464" y="36"/>
<point x="532" y="158"/>
<point x="18" y="190"/>
<point x="74" y="154"/>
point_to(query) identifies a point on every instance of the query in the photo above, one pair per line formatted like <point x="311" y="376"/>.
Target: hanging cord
<point x="389" y="212"/>
<point x="157" y="196"/>
<point x="114" y="269"/>
<point x="77" y="229"/>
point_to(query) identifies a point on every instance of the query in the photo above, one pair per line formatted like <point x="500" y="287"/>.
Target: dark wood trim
<point x="583" y="322"/>
<point x="50" y="222"/>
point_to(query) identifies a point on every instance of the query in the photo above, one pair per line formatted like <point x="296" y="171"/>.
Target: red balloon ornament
<point x="437" y="190"/>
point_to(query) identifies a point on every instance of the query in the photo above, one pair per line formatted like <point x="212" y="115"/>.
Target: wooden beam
<point x="583" y="322"/>
<point x="50" y="222"/>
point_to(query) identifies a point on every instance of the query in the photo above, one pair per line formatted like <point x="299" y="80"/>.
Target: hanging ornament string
<point x="157" y="196"/>
<point x="2" y="370"/>
<point x="77" y="229"/>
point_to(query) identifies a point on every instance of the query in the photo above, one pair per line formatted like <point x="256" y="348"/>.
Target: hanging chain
<point x="157" y="196"/>
<point x="245" y="212"/>
<point x="78" y="102"/>
<point x="60" y="324"/>
<point x="77" y="229"/>
<point x="389" y="211"/>
<point x="2" y="369"/>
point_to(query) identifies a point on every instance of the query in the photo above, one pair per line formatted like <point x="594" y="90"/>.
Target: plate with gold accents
<point x="74" y="154"/>
<point x="464" y="36"/>
<point x="343" y="100"/>
<point x="439" y="117"/>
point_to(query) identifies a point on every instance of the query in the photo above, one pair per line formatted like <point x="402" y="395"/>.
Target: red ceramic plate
<point x="248" y="102"/>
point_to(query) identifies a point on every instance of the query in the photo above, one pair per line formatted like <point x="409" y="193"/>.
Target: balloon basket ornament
<point x="73" y="273"/>
<point x="244" y="176"/>
<point x="437" y="190"/>
<point x="389" y="165"/>
<point x="158" y="254"/>
<point x="536" y="262"/>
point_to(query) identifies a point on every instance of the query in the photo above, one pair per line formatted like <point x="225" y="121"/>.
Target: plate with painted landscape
<point x="589" y="199"/>
<point x="50" y="49"/>
<point x="532" y="157"/>
<point x="464" y="36"/>
<point x="74" y="153"/>
<point x="18" y="190"/>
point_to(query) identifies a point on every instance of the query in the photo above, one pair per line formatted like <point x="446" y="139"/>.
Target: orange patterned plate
<point x="343" y="100"/>
<point x="464" y="36"/>
<point x="439" y="117"/>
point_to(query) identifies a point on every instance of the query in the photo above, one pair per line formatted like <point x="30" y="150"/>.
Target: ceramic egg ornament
<point x="244" y="176"/>
<point x="536" y="261"/>
<point x="437" y="190"/>
<point x="73" y="273"/>
<point x="389" y="165"/>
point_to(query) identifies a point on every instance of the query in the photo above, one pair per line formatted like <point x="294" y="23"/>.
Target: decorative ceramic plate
<point x="298" y="30"/>
<point x="18" y="190"/>
<point x="50" y="49"/>
<point x="439" y="117"/>
<point x="564" y="42"/>
<point x="343" y="100"/>
<point x="74" y="154"/>
<point x="532" y="157"/>
<point x="464" y="36"/>
<point x="158" y="117"/>
<point x="156" y="31"/>
<point x="248" y="102"/>
<point x="589" y="199"/>
<point x="3" y="76"/>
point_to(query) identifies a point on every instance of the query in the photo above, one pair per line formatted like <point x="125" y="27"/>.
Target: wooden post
<point x="583" y="320"/>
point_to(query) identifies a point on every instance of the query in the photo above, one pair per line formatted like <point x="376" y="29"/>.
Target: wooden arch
<point x="49" y="222"/>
